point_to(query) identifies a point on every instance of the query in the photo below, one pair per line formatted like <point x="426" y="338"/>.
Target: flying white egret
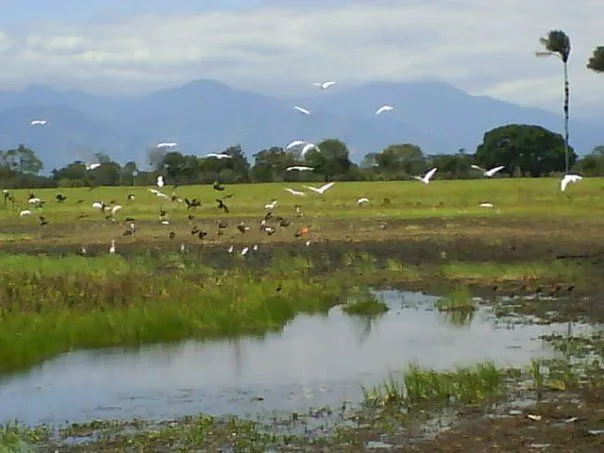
<point x="272" y="205"/>
<point x="115" y="209"/>
<point x="24" y="213"/>
<point x="38" y="123"/>
<point x="295" y="192"/>
<point x="244" y="251"/>
<point x="486" y="205"/>
<point x="384" y="108"/>
<point x="97" y="205"/>
<point x="166" y="145"/>
<point x="158" y="193"/>
<point x="218" y="156"/>
<point x="160" y="181"/>
<point x="307" y="148"/>
<point x="426" y="178"/>
<point x="302" y="110"/>
<point x="568" y="179"/>
<point x="490" y="172"/>
<point x="294" y="144"/>
<point x="362" y="201"/>
<point x="92" y="166"/>
<point x="299" y="168"/>
<point x="321" y="190"/>
<point x="324" y="85"/>
<point x="34" y="200"/>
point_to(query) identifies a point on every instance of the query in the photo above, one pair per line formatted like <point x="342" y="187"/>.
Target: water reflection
<point x="316" y="360"/>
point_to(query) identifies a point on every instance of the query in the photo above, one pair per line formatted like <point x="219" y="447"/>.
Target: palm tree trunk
<point x="566" y="101"/>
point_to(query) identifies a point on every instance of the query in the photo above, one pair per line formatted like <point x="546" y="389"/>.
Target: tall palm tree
<point x="596" y="61"/>
<point x="557" y="43"/>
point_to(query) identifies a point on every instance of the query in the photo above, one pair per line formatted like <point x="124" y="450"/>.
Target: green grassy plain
<point x="407" y="199"/>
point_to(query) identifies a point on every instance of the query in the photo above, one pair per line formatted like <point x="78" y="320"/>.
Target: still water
<point x="315" y="361"/>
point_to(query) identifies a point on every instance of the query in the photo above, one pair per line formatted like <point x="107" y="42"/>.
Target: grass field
<point x="334" y="214"/>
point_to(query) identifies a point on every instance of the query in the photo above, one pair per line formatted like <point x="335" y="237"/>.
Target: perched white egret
<point x="362" y="201"/>
<point x="218" y="156"/>
<point x="490" y="172"/>
<point x="384" y="108"/>
<point x="307" y="148"/>
<point x="321" y="190"/>
<point x="272" y="205"/>
<point x="38" y="123"/>
<point x="167" y="145"/>
<point x="295" y="192"/>
<point x="24" y="213"/>
<point x="324" y="85"/>
<point x="92" y="166"/>
<point x="568" y="179"/>
<point x="160" y="181"/>
<point x="426" y="178"/>
<point x="302" y="110"/>
<point x="299" y="168"/>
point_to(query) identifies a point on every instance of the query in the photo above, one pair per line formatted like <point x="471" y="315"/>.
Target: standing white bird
<point x="167" y="145"/>
<point x="384" y="108"/>
<point x="24" y="212"/>
<point x="490" y="172"/>
<point x="324" y="85"/>
<point x="231" y="248"/>
<point x="112" y="248"/>
<point x="302" y="110"/>
<point x="362" y="201"/>
<point x="92" y="166"/>
<point x="321" y="190"/>
<point x="115" y="209"/>
<point x="299" y="168"/>
<point x="307" y="148"/>
<point x="160" y="181"/>
<point x="97" y="205"/>
<point x="568" y="179"/>
<point x="244" y="251"/>
<point x="486" y="205"/>
<point x="426" y="178"/>
<point x="218" y="156"/>
<point x="38" y="123"/>
<point x="295" y="192"/>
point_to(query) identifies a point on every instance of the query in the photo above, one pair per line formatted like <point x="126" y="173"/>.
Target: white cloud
<point x="483" y="47"/>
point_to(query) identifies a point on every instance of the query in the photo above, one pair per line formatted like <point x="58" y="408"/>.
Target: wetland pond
<point x="315" y="361"/>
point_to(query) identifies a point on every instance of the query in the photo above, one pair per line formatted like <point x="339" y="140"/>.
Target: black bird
<point x="268" y="215"/>
<point x="242" y="227"/>
<point x="190" y="217"/>
<point x="222" y="206"/>
<point x="195" y="230"/>
<point x="60" y="198"/>
<point x="217" y="186"/>
<point x="162" y="212"/>
<point x="192" y="204"/>
<point x="130" y="196"/>
<point x="284" y="223"/>
<point x="172" y="234"/>
<point x="202" y="234"/>
<point x="43" y="221"/>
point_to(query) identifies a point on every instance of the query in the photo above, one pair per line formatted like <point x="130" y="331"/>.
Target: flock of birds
<point x="109" y="210"/>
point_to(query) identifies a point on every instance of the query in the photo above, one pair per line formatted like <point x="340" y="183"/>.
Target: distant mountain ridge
<point x="208" y="116"/>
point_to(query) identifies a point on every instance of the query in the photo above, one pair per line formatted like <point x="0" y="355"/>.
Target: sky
<point x="280" y="47"/>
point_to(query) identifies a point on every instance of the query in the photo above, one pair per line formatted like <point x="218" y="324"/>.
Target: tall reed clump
<point x="363" y="302"/>
<point x="460" y="299"/>
<point x="45" y="313"/>
<point x="419" y="386"/>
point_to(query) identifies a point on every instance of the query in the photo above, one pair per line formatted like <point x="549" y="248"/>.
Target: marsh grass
<point x="419" y="386"/>
<point x="458" y="300"/>
<point x="18" y="438"/>
<point x="363" y="302"/>
<point x="496" y="272"/>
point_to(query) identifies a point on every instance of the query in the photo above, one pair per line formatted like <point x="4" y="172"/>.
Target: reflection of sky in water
<point x="316" y="361"/>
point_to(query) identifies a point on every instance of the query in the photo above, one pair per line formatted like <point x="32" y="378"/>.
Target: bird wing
<point x="476" y="167"/>
<point x="494" y="170"/>
<point x="314" y="189"/>
<point x="430" y="174"/>
<point x="301" y="109"/>
<point x="295" y="143"/>
<point x="325" y="187"/>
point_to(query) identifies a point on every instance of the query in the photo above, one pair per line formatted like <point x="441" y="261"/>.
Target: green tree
<point x="534" y="150"/>
<point x="333" y="159"/>
<point x="270" y="164"/>
<point x="22" y="160"/>
<point x="401" y="158"/>
<point x="557" y="43"/>
<point x="596" y="61"/>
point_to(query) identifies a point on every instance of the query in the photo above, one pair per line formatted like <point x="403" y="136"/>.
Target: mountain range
<point x="208" y="116"/>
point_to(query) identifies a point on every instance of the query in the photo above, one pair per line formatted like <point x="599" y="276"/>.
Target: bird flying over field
<point x="307" y="148"/>
<point x="92" y="166"/>
<point x="321" y="190"/>
<point x="295" y="144"/>
<point x="567" y="179"/>
<point x="324" y="85"/>
<point x="302" y="110"/>
<point x="295" y="192"/>
<point x="426" y="178"/>
<point x="490" y="172"/>
<point x="166" y="145"/>
<point x="38" y="123"/>
<point x="299" y="168"/>
<point x="384" y="108"/>
<point x="218" y="156"/>
<point x="362" y="201"/>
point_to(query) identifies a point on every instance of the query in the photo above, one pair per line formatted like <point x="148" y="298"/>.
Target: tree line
<point x="524" y="150"/>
